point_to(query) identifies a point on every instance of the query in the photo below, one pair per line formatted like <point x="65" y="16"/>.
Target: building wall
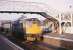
<point x="65" y="22"/>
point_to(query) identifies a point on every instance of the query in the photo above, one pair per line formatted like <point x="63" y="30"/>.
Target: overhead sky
<point x="61" y="5"/>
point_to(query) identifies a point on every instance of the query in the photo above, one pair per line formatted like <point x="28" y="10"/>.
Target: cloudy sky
<point x="61" y="5"/>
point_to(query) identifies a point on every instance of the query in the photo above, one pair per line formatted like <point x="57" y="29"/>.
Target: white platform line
<point x="59" y="38"/>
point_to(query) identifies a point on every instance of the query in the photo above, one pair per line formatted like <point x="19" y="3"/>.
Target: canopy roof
<point x="26" y="6"/>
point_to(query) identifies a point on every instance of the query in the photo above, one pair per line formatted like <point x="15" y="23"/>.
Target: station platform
<point x="5" y="44"/>
<point x="64" y="41"/>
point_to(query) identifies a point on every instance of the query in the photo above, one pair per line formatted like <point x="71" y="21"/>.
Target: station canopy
<point x="26" y="7"/>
